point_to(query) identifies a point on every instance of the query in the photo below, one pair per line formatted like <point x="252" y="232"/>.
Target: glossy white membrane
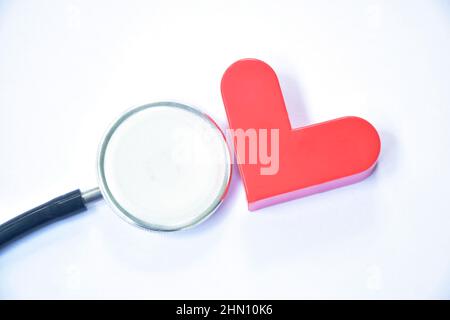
<point x="165" y="167"/>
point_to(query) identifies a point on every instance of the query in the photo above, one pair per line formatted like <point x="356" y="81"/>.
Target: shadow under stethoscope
<point x="146" y="253"/>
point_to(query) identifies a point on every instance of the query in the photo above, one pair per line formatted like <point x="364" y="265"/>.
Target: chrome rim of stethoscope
<point x="105" y="191"/>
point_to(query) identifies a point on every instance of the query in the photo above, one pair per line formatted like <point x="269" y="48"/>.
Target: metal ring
<point x="128" y="216"/>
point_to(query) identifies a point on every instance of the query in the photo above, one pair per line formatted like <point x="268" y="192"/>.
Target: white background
<point x="69" y="68"/>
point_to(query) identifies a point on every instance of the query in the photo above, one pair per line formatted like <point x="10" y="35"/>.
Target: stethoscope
<point x="163" y="166"/>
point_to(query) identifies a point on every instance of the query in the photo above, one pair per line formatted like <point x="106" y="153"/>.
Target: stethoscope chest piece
<point x="164" y="166"/>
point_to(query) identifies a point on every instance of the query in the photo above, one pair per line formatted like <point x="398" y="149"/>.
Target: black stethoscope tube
<point x="53" y="210"/>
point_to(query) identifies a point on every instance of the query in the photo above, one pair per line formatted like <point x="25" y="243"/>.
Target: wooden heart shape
<point x="309" y="159"/>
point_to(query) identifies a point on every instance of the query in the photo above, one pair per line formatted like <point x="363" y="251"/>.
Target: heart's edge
<point x="300" y="193"/>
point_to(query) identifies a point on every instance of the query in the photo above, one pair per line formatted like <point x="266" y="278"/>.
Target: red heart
<point x="312" y="159"/>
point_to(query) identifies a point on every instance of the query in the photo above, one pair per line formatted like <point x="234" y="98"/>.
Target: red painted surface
<point x="313" y="158"/>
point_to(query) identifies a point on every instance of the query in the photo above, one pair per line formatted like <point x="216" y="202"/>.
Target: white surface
<point x="166" y="167"/>
<point x="67" y="69"/>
